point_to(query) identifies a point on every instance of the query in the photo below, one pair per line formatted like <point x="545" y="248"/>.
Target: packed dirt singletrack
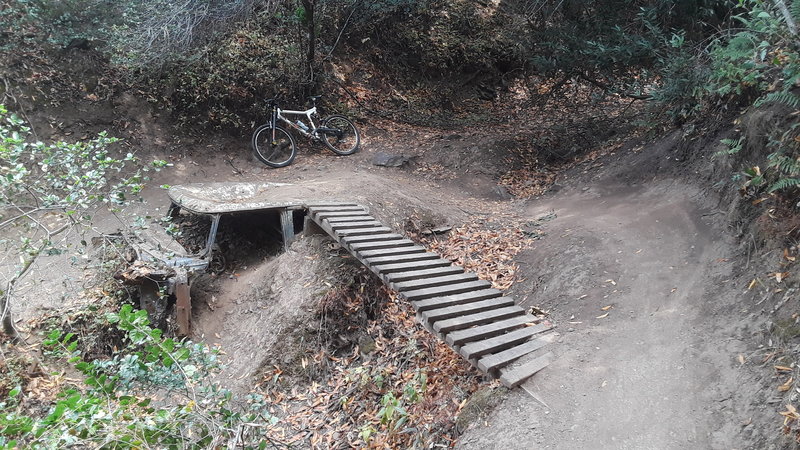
<point x="634" y="271"/>
<point x="637" y="277"/>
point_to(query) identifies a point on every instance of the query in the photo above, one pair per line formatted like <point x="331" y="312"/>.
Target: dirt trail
<point x="658" y="370"/>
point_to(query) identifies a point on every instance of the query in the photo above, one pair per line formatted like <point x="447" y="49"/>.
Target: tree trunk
<point x="5" y="296"/>
<point x="8" y="322"/>
<point x="311" y="31"/>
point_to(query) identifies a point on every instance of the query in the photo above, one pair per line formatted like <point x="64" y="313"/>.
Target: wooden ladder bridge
<point x="479" y="322"/>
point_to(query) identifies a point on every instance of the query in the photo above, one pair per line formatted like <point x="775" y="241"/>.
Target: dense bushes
<point x="619" y="45"/>
<point x="439" y="38"/>
<point x="211" y="61"/>
<point x="758" y="63"/>
<point x="226" y="87"/>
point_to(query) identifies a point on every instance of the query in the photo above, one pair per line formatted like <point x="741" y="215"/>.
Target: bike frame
<point x="313" y="132"/>
<point x="307" y="113"/>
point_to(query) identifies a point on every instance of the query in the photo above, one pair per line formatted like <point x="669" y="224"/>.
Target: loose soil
<point x="639" y="278"/>
<point x="658" y="345"/>
<point x="659" y="369"/>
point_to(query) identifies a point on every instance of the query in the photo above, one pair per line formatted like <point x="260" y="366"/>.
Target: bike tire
<point x="278" y="152"/>
<point x="346" y="141"/>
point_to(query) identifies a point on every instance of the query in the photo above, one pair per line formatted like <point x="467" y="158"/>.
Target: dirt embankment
<point x="667" y="315"/>
<point x="643" y="270"/>
<point x="646" y="270"/>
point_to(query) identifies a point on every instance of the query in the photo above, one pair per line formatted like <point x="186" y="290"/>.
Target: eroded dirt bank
<point x="638" y="277"/>
<point x="637" y="271"/>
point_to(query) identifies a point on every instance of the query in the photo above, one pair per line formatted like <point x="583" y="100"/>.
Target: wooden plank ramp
<point x="484" y="326"/>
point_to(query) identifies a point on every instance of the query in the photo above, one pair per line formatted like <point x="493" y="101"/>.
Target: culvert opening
<point x="242" y="239"/>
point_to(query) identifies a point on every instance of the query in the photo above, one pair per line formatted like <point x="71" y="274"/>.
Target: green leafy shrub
<point x="226" y="87"/>
<point x="760" y="64"/>
<point x="621" y="46"/>
<point x="49" y="189"/>
<point x="58" y="22"/>
<point x="432" y="38"/>
<point x="116" y="408"/>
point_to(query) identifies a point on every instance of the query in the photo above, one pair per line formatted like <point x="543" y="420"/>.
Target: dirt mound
<point x="246" y="312"/>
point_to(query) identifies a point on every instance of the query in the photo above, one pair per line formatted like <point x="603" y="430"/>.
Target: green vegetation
<point x="115" y="405"/>
<point x="759" y="64"/>
<point x="210" y="63"/>
<point x="47" y="190"/>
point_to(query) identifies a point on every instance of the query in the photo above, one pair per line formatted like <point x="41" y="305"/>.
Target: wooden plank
<point x="323" y="204"/>
<point x="421" y="274"/>
<point x="514" y="377"/>
<point x="364" y="231"/>
<point x="329" y="214"/>
<point x="433" y="281"/>
<point x="372" y="238"/>
<point x="420" y="256"/>
<point x="345" y="225"/>
<point x="452" y="300"/>
<point x="358" y="246"/>
<point x="440" y="291"/>
<point x="345" y="219"/>
<point x="500" y="343"/>
<point x="431" y="316"/>
<point x="461" y="322"/>
<point x="386" y="252"/>
<point x="467" y="311"/>
<point x="406" y="266"/>
<point x="498" y="360"/>
<point x="461" y="337"/>
<point x="183" y="309"/>
<point x="287" y="227"/>
<point x="335" y="208"/>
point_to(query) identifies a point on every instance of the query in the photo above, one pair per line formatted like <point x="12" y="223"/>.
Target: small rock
<point x="366" y="344"/>
<point x="79" y="44"/>
<point x="570" y="329"/>
<point x="437" y="230"/>
<point x="502" y="192"/>
<point x="387" y="160"/>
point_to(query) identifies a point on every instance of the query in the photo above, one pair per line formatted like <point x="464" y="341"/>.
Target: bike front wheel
<point x="340" y="135"/>
<point x="274" y="146"/>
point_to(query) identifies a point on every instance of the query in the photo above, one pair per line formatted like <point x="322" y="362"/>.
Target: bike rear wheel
<point x="341" y="135"/>
<point x="274" y="146"/>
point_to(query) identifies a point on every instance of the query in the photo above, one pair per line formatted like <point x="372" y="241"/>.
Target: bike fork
<point x="274" y="123"/>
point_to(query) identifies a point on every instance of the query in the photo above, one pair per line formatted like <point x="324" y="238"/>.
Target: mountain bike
<point x="275" y="146"/>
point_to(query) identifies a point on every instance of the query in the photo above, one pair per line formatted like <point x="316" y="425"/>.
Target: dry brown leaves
<point x="485" y="250"/>
<point x="526" y="183"/>
<point x="343" y="410"/>
<point x="434" y="172"/>
<point x="20" y="366"/>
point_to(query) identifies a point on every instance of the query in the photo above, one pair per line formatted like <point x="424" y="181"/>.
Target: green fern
<point x="783" y="97"/>
<point x="787" y="166"/>
<point x="788" y="170"/>
<point x="784" y="183"/>
<point x="733" y="146"/>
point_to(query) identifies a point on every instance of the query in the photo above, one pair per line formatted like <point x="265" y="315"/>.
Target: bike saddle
<point x="314" y="98"/>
